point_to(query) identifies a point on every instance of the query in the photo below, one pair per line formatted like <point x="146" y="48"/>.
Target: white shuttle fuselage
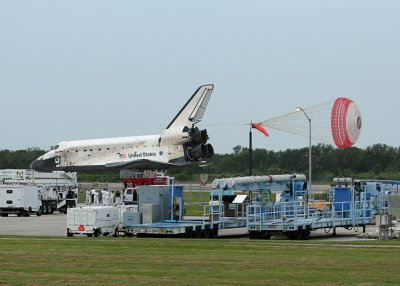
<point x="180" y="144"/>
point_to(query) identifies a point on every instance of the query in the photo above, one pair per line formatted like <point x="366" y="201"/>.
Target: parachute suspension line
<point x="296" y="123"/>
<point x="223" y="124"/>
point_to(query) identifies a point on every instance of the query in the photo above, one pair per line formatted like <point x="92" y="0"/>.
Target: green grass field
<point x="127" y="261"/>
<point x="195" y="201"/>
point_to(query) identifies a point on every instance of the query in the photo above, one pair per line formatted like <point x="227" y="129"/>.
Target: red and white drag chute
<point x="346" y="122"/>
<point x="337" y="122"/>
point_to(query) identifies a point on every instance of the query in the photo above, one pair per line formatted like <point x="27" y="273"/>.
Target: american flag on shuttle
<point x="122" y="156"/>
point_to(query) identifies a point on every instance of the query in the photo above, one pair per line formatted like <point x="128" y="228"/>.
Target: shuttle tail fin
<point x="192" y="112"/>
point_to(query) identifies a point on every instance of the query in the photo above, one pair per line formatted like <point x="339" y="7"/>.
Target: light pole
<point x="298" y="109"/>
<point x="251" y="150"/>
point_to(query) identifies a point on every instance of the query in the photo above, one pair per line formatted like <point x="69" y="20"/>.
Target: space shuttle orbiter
<point x="181" y="143"/>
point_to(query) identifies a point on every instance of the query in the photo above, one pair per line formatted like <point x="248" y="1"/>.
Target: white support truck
<point x="22" y="200"/>
<point x="56" y="188"/>
<point x="93" y="221"/>
<point x="97" y="220"/>
<point x="58" y="198"/>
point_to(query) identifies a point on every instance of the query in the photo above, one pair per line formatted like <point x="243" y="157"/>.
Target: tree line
<point x="378" y="161"/>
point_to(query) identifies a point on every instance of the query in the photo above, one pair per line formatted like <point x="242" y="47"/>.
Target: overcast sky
<point x="93" y="69"/>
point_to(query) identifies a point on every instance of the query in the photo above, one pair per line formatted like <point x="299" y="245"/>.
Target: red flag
<point x="260" y="128"/>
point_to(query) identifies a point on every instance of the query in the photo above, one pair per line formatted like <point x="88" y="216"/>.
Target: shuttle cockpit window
<point x="55" y="147"/>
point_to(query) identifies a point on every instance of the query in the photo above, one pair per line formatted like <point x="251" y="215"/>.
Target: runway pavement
<point x="45" y="225"/>
<point x="56" y="225"/>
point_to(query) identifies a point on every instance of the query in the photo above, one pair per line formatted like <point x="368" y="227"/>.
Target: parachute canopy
<point x="345" y="122"/>
<point x="337" y="122"/>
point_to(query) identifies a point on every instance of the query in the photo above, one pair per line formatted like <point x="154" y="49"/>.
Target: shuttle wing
<point x="192" y="112"/>
<point x="142" y="164"/>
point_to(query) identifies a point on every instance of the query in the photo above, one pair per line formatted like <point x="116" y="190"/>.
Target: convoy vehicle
<point x="20" y="189"/>
<point x="22" y="200"/>
<point x="92" y="221"/>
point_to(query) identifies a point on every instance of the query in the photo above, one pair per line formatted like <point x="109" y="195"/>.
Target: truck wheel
<point x="206" y="232"/>
<point x="69" y="234"/>
<point x="265" y="235"/>
<point x="254" y="234"/>
<point x="189" y="232"/>
<point x="305" y="234"/>
<point x="4" y="215"/>
<point x="294" y="235"/>
<point x="97" y="233"/>
<point x="39" y="212"/>
<point x="214" y="232"/>
<point x="197" y="232"/>
<point x="128" y="234"/>
<point x="19" y="214"/>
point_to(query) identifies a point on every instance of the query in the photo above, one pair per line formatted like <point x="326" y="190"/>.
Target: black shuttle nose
<point x="37" y="164"/>
<point x="45" y="165"/>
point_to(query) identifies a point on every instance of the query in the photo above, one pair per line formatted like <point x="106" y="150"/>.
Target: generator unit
<point x="93" y="221"/>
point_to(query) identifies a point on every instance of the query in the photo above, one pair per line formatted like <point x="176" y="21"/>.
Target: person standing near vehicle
<point x="103" y="197"/>
<point x="96" y="197"/>
<point x="106" y="197"/>
<point x="92" y="193"/>
<point x="118" y="197"/>
<point x="111" y="198"/>
<point x="88" y="197"/>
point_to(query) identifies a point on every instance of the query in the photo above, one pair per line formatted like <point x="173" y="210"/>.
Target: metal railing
<point x="313" y="213"/>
